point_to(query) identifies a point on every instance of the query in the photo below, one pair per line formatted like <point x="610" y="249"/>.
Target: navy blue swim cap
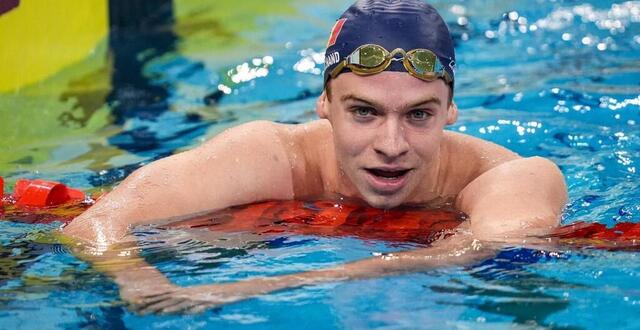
<point x="406" y="24"/>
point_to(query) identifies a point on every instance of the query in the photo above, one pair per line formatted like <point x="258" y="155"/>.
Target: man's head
<point x="392" y="35"/>
<point x="388" y="126"/>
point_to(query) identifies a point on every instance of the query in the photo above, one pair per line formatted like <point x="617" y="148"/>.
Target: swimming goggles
<point x="371" y="59"/>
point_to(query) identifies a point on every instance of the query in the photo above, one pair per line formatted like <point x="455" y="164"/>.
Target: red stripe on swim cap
<point x="335" y="32"/>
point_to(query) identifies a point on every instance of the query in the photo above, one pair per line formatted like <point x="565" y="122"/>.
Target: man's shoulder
<point x="460" y="144"/>
<point x="290" y="135"/>
<point x="465" y="157"/>
<point x="307" y="138"/>
<point x="310" y="148"/>
<point x="289" y="132"/>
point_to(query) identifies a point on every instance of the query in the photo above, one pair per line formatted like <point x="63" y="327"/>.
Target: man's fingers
<point x="157" y="295"/>
<point x="158" y="307"/>
<point x="174" y="305"/>
<point x="183" y="306"/>
<point x="148" y="305"/>
<point x="172" y="302"/>
<point x="165" y="306"/>
<point x="143" y="302"/>
<point x="199" y="308"/>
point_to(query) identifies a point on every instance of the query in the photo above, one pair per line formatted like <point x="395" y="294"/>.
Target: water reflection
<point x="139" y="33"/>
<point x="87" y="94"/>
<point x="505" y="287"/>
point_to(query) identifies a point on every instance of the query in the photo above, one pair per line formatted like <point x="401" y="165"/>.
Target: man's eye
<point x="419" y="115"/>
<point x="364" y="111"/>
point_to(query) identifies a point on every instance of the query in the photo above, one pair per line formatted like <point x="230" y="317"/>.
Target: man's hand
<point x="190" y="300"/>
<point x="149" y="294"/>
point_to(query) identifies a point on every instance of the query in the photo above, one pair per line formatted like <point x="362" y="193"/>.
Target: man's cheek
<point x="350" y="145"/>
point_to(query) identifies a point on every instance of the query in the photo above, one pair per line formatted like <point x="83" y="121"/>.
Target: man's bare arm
<point x="245" y="164"/>
<point x="457" y="250"/>
<point x="507" y="203"/>
<point x="518" y="198"/>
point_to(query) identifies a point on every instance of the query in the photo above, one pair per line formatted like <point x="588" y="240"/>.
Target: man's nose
<point x="391" y="142"/>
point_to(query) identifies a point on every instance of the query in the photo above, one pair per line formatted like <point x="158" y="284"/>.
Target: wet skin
<point x="387" y="132"/>
<point x="381" y="139"/>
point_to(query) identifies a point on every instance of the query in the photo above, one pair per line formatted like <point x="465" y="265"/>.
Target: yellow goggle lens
<point x="369" y="56"/>
<point x="422" y="61"/>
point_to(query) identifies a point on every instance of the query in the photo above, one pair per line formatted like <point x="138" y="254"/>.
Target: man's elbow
<point x="551" y="182"/>
<point x="523" y="198"/>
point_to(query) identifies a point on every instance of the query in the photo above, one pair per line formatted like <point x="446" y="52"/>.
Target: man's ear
<point x="322" y="108"/>
<point x="452" y="113"/>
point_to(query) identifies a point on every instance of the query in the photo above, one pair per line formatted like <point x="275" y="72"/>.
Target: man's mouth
<point x="388" y="174"/>
<point x="386" y="180"/>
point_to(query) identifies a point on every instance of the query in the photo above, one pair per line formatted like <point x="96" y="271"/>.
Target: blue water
<point x="559" y="79"/>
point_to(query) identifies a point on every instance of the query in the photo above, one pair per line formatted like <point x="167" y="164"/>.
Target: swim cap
<point x="406" y="24"/>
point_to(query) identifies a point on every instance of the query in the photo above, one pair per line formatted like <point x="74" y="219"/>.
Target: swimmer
<point x="388" y="95"/>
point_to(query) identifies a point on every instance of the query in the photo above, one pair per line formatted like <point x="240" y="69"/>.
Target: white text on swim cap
<point x="331" y="59"/>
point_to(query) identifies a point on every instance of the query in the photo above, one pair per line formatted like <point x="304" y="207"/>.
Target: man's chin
<point x="384" y="201"/>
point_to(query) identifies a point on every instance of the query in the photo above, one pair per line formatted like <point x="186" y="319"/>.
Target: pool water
<point x="559" y="79"/>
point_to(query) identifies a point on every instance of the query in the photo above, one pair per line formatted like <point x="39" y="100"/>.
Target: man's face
<point x="387" y="130"/>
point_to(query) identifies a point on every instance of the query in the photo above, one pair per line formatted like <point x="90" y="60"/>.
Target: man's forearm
<point x="149" y="291"/>
<point x="456" y="250"/>
<point x="121" y="262"/>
